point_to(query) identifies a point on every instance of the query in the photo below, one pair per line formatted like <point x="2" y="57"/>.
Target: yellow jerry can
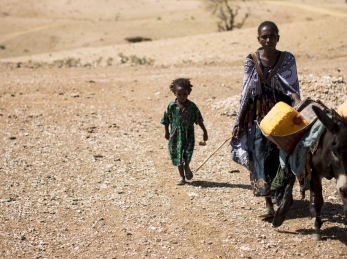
<point x="281" y="120"/>
<point x="342" y="109"/>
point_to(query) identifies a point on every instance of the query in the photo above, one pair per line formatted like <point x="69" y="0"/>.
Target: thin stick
<point x="212" y="154"/>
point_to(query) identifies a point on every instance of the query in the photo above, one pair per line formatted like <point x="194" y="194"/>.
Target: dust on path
<point x="12" y="35"/>
<point x="309" y="8"/>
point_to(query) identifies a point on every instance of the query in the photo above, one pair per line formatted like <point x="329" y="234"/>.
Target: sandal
<point x="268" y="213"/>
<point x="189" y="174"/>
<point x="181" y="181"/>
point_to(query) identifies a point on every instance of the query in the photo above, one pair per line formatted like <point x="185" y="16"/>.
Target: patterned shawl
<point x="285" y="81"/>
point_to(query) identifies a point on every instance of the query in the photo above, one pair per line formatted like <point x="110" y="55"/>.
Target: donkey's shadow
<point x="300" y="209"/>
<point x="330" y="213"/>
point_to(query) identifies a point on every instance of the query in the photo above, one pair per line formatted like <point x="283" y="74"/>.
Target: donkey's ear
<point x="324" y="118"/>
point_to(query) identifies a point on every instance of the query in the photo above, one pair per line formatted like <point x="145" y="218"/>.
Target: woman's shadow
<point x="207" y="184"/>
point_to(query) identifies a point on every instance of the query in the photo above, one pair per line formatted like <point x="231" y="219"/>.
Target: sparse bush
<point x="123" y="59"/>
<point x="58" y="63"/>
<point x="109" y="61"/>
<point x="72" y="62"/>
<point x="226" y="14"/>
<point x="135" y="60"/>
<point x="98" y="61"/>
<point x="186" y="61"/>
<point x="68" y="62"/>
<point x="141" y="61"/>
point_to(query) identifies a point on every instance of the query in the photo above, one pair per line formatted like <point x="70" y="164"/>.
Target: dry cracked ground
<point x="84" y="166"/>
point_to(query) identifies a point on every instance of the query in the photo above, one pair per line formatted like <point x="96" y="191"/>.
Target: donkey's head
<point x="335" y="149"/>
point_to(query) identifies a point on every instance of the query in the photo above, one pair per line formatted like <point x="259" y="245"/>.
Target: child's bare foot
<point x="189" y="173"/>
<point x="181" y="181"/>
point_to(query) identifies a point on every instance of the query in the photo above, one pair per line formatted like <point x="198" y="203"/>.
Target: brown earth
<point x="84" y="166"/>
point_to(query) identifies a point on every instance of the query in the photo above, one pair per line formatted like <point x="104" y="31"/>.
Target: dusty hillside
<point x="36" y="27"/>
<point x="84" y="166"/>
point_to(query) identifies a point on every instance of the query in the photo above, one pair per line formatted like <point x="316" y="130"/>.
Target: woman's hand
<point x="296" y="99"/>
<point x="236" y="132"/>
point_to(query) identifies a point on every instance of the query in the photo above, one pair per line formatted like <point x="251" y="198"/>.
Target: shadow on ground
<point x="207" y="184"/>
<point x="330" y="213"/>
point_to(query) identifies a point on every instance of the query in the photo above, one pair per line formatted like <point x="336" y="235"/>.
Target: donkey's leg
<point x="345" y="210"/>
<point x="312" y="208"/>
<point x="305" y="176"/>
<point x="302" y="187"/>
<point x="341" y="185"/>
<point x="316" y="203"/>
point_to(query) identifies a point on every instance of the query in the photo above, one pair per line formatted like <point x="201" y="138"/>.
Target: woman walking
<point x="269" y="76"/>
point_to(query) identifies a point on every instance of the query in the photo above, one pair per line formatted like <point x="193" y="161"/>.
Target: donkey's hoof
<point x="278" y="221"/>
<point x="317" y="237"/>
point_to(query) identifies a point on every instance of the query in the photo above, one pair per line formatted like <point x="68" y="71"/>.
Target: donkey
<point x="329" y="161"/>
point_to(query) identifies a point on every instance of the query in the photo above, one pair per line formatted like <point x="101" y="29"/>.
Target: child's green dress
<point x="182" y="139"/>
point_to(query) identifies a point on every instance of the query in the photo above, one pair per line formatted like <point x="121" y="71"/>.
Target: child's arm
<point x="167" y="134"/>
<point x="202" y="126"/>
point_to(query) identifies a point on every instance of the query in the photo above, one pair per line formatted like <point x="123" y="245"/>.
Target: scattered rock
<point x="75" y="95"/>
<point x="7" y="200"/>
<point x="101" y="223"/>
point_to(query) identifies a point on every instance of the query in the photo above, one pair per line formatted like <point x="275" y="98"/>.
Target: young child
<point x="181" y="114"/>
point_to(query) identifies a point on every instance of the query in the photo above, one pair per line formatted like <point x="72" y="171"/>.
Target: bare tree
<point x="226" y="14"/>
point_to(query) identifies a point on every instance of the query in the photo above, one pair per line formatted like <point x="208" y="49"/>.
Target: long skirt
<point x="263" y="161"/>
